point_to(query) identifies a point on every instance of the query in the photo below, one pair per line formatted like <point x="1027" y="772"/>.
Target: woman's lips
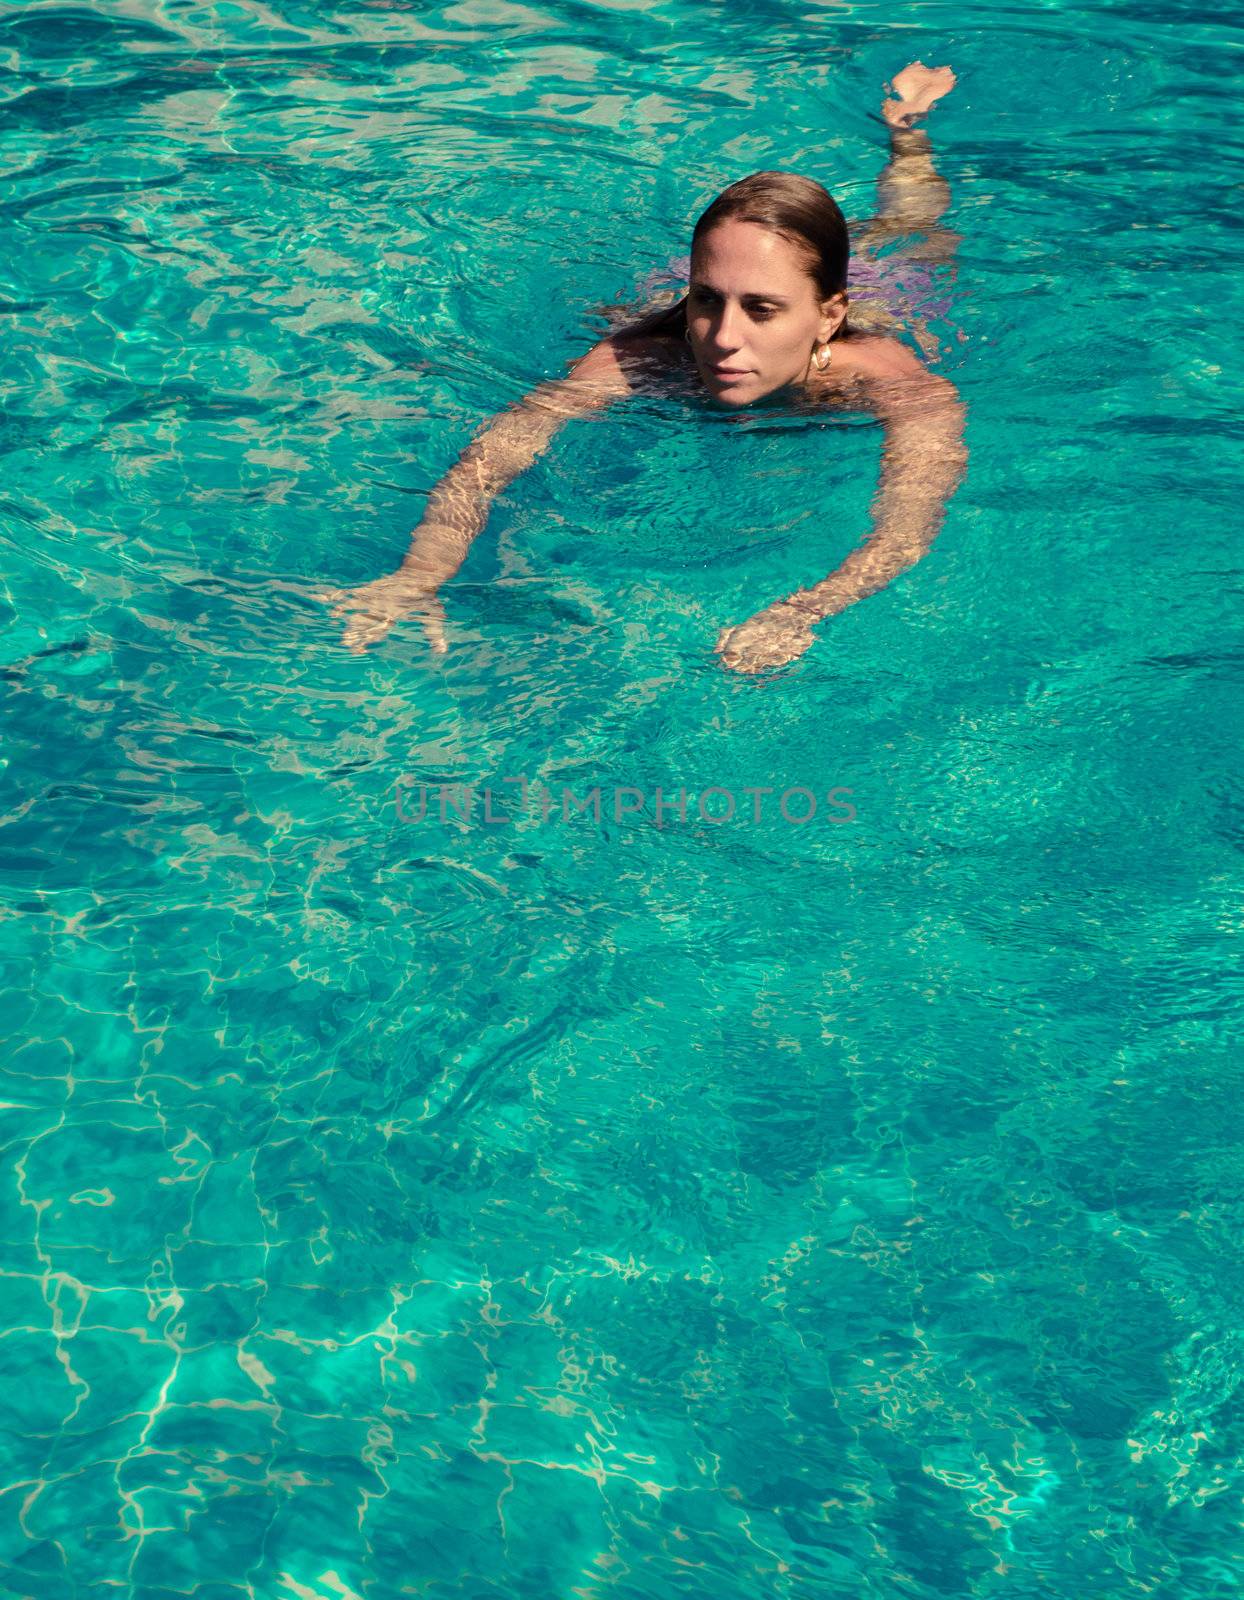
<point x="728" y="372"/>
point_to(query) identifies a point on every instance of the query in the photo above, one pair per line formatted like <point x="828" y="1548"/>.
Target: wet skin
<point x="753" y="313"/>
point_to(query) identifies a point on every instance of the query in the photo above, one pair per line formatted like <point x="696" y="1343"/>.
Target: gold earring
<point x="822" y="355"/>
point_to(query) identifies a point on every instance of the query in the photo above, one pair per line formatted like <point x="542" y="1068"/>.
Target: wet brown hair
<point x="798" y="209"/>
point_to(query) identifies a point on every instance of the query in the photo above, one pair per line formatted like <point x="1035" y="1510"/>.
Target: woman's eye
<point x="706" y="297"/>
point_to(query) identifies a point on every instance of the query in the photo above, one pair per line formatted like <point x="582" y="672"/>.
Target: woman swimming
<point x="766" y="312"/>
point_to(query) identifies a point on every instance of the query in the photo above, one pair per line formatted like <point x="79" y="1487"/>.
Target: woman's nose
<point x="727" y="330"/>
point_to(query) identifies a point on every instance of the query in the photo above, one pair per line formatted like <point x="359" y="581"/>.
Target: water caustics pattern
<point x="554" y="1209"/>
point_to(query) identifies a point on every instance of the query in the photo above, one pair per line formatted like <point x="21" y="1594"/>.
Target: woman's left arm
<point x="923" y="460"/>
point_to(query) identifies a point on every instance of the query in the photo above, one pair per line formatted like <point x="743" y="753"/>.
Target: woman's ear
<point x="833" y="314"/>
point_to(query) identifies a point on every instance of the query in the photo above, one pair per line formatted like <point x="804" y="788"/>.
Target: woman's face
<point x="753" y="312"/>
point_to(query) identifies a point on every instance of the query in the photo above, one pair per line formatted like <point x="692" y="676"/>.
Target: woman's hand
<point x="374" y="607"/>
<point x="917" y="88"/>
<point x="772" y="637"/>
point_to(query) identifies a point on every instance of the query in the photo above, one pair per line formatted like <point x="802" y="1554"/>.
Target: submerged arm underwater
<point x="459" y="505"/>
<point x="923" y="461"/>
<point x="923" y="456"/>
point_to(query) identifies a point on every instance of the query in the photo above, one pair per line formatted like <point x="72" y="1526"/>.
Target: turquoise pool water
<point x="545" y="1208"/>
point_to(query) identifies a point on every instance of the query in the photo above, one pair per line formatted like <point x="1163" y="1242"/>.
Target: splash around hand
<point x="371" y="610"/>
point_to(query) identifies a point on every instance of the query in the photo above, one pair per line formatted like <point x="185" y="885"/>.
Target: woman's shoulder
<point x="620" y="365"/>
<point x="866" y="355"/>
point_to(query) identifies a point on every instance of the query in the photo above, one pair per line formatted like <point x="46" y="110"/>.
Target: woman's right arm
<point x="458" y="506"/>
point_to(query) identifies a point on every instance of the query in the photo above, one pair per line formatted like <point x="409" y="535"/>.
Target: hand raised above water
<point x="373" y="608"/>
<point x="917" y="88"/>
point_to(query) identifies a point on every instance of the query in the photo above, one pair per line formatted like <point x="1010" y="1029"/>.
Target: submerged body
<point x="765" y="315"/>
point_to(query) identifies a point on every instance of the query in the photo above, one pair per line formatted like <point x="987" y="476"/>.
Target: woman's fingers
<point x="732" y="647"/>
<point x="432" y="617"/>
<point x="364" y="628"/>
<point x="770" y="639"/>
<point x="371" y="611"/>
